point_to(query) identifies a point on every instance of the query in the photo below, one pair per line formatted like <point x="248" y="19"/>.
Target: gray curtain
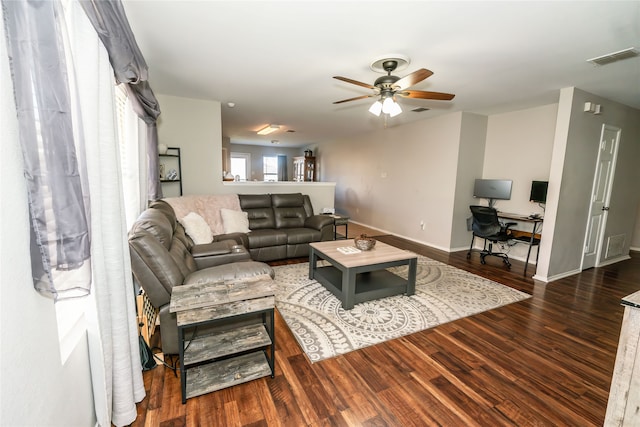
<point x="53" y="168"/>
<point x="110" y="21"/>
<point x="282" y="168"/>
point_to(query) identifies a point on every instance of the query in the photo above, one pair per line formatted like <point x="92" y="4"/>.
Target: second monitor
<point x="492" y="189"/>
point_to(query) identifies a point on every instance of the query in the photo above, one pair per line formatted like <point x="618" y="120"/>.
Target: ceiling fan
<point x="389" y="87"/>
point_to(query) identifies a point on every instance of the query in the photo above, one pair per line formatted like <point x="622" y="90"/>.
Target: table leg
<point x="313" y="260"/>
<point x="533" y="236"/>
<point x="411" y="279"/>
<point x="272" y="361"/>
<point x="348" y="289"/>
<point x="183" y="371"/>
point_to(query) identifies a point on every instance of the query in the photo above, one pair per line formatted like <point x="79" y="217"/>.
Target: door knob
<point x="605" y="208"/>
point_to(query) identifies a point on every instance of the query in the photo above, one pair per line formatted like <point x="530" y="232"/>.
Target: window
<point x="240" y="166"/>
<point x="132" y="160"/>
<point x="270" y="168"/>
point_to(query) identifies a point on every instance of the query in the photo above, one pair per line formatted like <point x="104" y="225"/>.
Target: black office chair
<point x="487" y="226"/>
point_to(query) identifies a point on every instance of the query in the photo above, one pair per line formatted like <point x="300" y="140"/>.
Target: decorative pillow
<point x="197" y="228"/>
<point x="234" y="221"/>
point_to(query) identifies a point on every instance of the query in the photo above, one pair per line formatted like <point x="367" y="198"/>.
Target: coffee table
<point x="362" y="276"/>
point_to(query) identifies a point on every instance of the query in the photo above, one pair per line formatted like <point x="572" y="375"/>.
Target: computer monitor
<point x="539" y="191"/>
<point x="492" y="189"/>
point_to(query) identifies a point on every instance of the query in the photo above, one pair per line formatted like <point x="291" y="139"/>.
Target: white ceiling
<point x="275" y="60"/>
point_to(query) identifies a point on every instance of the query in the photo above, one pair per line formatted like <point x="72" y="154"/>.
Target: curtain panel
<point x="52" y="148"/>
<point x="110" y="22"/>
<point x="112" y="333"/>
<point x="63" y="101"/>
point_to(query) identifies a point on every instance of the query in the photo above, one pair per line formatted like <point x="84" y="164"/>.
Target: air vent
<point x="615" y="56"/>
<point x="290" y="130"/>
<point x="420" y="109"/>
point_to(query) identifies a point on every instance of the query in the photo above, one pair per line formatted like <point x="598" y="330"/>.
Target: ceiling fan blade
<point x="355" y="82"/>
<point x="421" y="94"/>
<point x="354" y="99"/>
<point x="413" y="78"/>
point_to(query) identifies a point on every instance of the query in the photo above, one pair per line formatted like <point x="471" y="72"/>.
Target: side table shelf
<point x="217" y="359"/>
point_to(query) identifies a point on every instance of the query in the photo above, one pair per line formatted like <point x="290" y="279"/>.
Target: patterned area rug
<point x="324" y="329"/>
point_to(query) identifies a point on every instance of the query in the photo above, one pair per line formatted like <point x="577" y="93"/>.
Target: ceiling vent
<point x="420" y="109"/>
<point x="615" y="56"/>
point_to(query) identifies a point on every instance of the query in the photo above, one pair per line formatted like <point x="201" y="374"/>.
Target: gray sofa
<point x="162" y="258"/>
<point x="283" y="225"/>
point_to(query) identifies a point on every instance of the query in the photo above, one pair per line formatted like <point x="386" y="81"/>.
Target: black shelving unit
<point x="172" y="156"/>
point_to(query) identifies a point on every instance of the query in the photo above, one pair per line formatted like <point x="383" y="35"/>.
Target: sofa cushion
<point x="155" y="223"/>
<point x="291" y="200"/>
<point x="235" y="270"/>
<point x="290" y="217"/>
<point x="235" y="221"/>
<point x="266" y="238"/>
<point x="254" y="201"/>
<point x="297" y="236"/>
<point x="197" y="228"/>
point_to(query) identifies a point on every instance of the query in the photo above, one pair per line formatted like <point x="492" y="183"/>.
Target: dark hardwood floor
<point x="547" y="360"/>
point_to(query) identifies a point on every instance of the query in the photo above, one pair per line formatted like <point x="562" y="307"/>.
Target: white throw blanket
<point x="207" y="206"/>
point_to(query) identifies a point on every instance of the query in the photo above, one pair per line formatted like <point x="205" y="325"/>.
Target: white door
<point x="600" y="195"/>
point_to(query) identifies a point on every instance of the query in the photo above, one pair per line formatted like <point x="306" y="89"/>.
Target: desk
<point x="531" y="241"/>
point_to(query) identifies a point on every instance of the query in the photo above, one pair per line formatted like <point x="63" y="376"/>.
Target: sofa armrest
<point x="318" y="222"/>
<point x="239" y="238"/>
<point x="218" y="253"/>
<point x="211" y="249"/>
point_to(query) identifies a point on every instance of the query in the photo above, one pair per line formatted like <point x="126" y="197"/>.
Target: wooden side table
<point x="219" y="359"/>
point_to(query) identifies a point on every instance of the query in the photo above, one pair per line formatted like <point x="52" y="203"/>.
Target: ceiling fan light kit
<point x="376" y="108"/>
<point x="268" y="129"/>
<point x="389" y="86"/>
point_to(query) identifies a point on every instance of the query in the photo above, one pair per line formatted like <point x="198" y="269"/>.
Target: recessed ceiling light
<point x="268" y="129"/>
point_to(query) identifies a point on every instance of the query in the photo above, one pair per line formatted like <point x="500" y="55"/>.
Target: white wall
<point x="572" y="171"/>
<point x="397" y="177"/>
<point x="635" y="238"/>
<point x="472" y="148"/>
<point x="195" y="126"/>
<point x="430" y="167"/>
<point x="518" y="147"/>
<point x="36" y="388"/>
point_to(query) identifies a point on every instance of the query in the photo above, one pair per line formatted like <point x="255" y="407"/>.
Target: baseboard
<point x="613" y="260"/>
<point x="448" y="250"/>
<point x="548" y="279"/>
